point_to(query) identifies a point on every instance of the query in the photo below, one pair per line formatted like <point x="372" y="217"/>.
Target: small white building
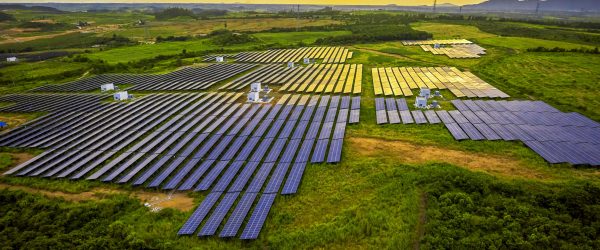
<point x="437" y="46"/>
<point x="122" y="95"/>
<point x="425" y="92"/>
<point x="12" y="59"/>
<point x="421" y="102"/>
<point x="220" y="59"/>
<point x="255" y="87"/>
<point x="107" y="87"/>
<point x="308" y="61"/>
<point x="253" y="97"/>
<point x="291" y="65"/>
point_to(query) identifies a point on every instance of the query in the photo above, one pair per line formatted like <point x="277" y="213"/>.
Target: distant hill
<point x="23" y="7"/>
<point x="554" y="5"/>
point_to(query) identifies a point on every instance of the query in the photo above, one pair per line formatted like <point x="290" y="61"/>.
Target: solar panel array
<point x="396" y="111"/>
<point x="322" y="78"/>
<point x="327" y="54"/>
<point x="556" y="136"/>
<point x="51" y="102"/>
<point x="457" y="51"/>
<point x="399" y="81"/>
<point x="189" y="78"/>
<point x="195" y="142"/>
<point x="433" y="42"/>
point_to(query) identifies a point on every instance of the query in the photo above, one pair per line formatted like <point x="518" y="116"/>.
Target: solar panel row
<point x="398" y="81"/>
<point x="52" y="102"/>
<point x="328" y="54"/>
<point x="189" y="78"/>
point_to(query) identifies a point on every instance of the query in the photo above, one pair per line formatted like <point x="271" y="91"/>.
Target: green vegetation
<point x="6" y="17"/>
<point x="173" y="13"/>
<point x="375" y="33"/>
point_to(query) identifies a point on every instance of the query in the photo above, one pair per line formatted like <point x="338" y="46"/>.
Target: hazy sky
<point x="323" y="2"/>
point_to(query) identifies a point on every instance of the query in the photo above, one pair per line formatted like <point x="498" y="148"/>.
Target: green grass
<point x="523" y="43"/>
<point x="296" y="37"/>
<point x="451" y="31"/>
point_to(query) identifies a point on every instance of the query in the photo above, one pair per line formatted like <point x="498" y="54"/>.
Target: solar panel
<point x="277" y="178"/>
<point x="240" y="182"/>
<point x="354" y="116"/>
<point x="258" y="217"/>
<point x="294" y="178"/>
<point x="260" y="177"/>
<point x="456" y="131"/>
<point x="406" y="117"/>
<point x="319" y="152"/>
<point x="305" y="149"/>
<point x="445" y="117"/>
<point x="503" y="132"/>
<point x="237" y="217"/>
<point x="419" y="117"/>
<point x="221" y="210"/>
<point x="402" y="105"/>
<point x="458" y="116"/>
<point x="335" y="151"/>
<point x="394" y="117"/>
<point x="194" y="221"/>
<point x="486" y="131"/>
<point x="471" y="131"/>
<point x="379" y="104"/>
<point x="518" y="132"/>
<point x="459" y="105"/>
<point x="355" y="103"/>
<point x="381" y="116"/>
<point x="432" y="117"/>
<point x="225" y="180"/>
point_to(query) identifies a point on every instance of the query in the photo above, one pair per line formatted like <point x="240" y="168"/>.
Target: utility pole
<point x="434" y="5"/>
<point x="298" y="18"/>
<point x="537" y="8"/>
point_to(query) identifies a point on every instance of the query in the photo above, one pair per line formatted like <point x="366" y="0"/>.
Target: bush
<point x="376" y="33"/>
<point x="174" y="13"/>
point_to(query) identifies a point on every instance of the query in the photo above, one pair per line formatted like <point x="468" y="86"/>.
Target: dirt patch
<point x="179" y="201"/>
<point x="19" y="158"/>
<point x="411" y="153"/>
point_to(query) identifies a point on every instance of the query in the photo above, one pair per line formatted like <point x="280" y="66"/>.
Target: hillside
<point x="554" y="5"/>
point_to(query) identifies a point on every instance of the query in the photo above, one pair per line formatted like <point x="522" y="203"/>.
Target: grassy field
<point x="296" y="37"/>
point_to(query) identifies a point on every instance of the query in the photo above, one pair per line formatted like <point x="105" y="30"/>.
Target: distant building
<point x="421" y="102"/>
<point x="291" y="65"/>
<point x="425" y="92"/>
<point x="122" y="96"/>
<point x="12" y="59"/>
<point x="253" y="97"/>
<point x="107" y="87"/>
<point x="220" y="59"/>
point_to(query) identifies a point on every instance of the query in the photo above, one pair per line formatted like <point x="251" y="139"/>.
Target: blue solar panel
<point x="208" y="180"/>
<point x="324" y="101"/>
<point x="258" y="217"/>
<point x="232" y="170"/>
<point x="299" y="131"/>
<point x="330" y="117"/>
<point x="456" y="131"/>
<point x="181" y="174"/>
<point x="355" y="103"/>
<point x="307" y="115"/>
<point x="345" y="102"/>
<point x="445" y="117"/>
<point x="214" y="154"/>
<point x="276" y="150"/>
<point x="354" y="116"/>
<point x="285" y="112"/>
<point x="319" y="152"/>
<point x="195" y="144"/>
<point x="287" y="129"/>
<point x="166" y="172"/>
<point x="497" y="106"/>
<point x="326" y="130"/>
<point x="296" y="114"/>
<point x="335" y="151"/>
<point x="335" y="100"/>
<point x="471" y="105"/>
<point x="511" y="118"/>
<point x="471" y="116"/>
<point x="146" y="175"/>
<point x="406" y="117"/>
<point x="339" y="131"/>
<point x="237" y="217"/>
<point x="485" y="118"/>
<point x="394" y="117"/>
<point x="432" y="117"/>
<point x="419" y="117"/>
<point x="458" y="116"/>
<point x="320" y="113"/>
<point x="260" y="177"/>
<point x="343" y="115"/>
<point x="471" y="131"/>
<point x="487" y="132"/>
<point x="498" y="117"/>
<point x="240" y="182"/>
<point x="277" y="178"/>
<point x="245" y="153"/>
<point x="381" y="116"/>
<point x="261" y="150"/>
<point x="234" y="148"/>
<point x="305" y="149"/>
<point x="294" y="178"/>
<point x="197" y="217"/>
<point x="275" y="129"/>
<point x="518" y="132"/>
<point x="390" y="104"/>
<point x="484" y="105"/>
<point x="379" y="104"/>
<point x="459" y="104"/>
<point x="503" y="132"/>
<point x="221" y="210"/>
<point x="402" y="105"/>
<point x="313" y="130"/>
<point x="290" y="150"/>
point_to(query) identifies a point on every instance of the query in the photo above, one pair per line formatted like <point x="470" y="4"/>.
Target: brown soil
<point x="411" y="153"/>
<point x="179" y="201"/>
<point x="19" y="158"/>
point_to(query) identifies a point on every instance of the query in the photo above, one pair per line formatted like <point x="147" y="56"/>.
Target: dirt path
<point x="179" y="201"/>
<point x="420" y="231"/>
<point x="406" y="152"/>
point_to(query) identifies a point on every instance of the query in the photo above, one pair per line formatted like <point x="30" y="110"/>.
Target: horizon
<point x="308" y="2"/>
